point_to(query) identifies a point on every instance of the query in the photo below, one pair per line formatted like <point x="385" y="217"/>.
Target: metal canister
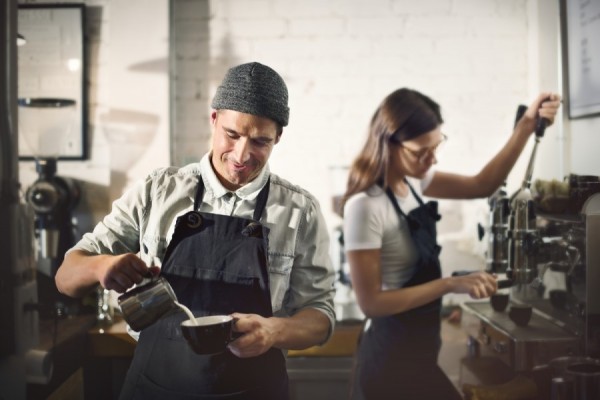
<point x="586" y="380"/>
<point x="561" y="389"/>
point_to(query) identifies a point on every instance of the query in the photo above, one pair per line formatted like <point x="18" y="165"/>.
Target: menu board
<point x="581" y="46"/>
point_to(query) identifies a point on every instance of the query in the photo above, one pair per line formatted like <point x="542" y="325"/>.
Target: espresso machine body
<point x="497" y="241"/>
<point x="552" y="271"/>
<point x="591" y="311"/>
<point x="557" y="273"/>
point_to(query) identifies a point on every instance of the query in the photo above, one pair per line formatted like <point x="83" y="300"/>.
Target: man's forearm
<point x="308" y="327"/>
<point x="76" y="276"/>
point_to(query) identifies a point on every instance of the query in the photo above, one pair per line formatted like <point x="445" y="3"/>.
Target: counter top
<point x="111" y="340"/>
<point x="341" y="344"/>
<point x="54" y="332"/>
<point x="454" y="349"/>
<point x="54" y="363"/>
<point x="114" y="341"/>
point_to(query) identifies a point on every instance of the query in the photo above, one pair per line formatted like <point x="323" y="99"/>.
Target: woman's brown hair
<point x="403" y="115"/>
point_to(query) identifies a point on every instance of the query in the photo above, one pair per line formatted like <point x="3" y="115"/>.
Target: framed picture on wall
<point x="52" y="72"/>
<point x="580" y="25"/>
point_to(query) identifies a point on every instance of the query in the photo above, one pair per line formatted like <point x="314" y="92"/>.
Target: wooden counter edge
<point x="111" y="341"/>
<point x="114" y="341"/>
<point x="342" y="343"/>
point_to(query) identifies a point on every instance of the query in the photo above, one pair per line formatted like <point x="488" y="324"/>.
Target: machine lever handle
<point x="505" y="283"/>
<point x="520" y="112"/>
<point x="541" y="124"/>
<point x="540" y="127"/>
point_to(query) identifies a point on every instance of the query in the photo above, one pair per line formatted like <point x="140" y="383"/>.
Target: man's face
<point x="241" y="146"/>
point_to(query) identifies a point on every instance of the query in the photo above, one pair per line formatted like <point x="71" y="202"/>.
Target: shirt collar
<point x="214" y="187"/>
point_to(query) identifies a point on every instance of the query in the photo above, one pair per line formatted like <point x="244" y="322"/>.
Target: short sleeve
<point x="363" y="222"/>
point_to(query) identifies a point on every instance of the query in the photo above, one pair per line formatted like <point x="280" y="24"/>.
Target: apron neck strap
<point x="199" y="194"/>
<point x="414" y="192"/>
<point x="261" y="199"/>
<point x="390" y="194"/>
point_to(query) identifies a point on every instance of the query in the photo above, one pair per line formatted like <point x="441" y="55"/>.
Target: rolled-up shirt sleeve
<point x="312" y="277"/>
<point x="119" y="231"/>
<point x="142" y="220"/>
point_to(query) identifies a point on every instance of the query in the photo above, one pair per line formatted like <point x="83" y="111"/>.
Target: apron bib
<point x="216" y="265"/>
<point x="397" y="355"/>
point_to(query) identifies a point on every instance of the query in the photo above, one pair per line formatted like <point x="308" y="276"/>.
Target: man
<point x="260" y="253"/>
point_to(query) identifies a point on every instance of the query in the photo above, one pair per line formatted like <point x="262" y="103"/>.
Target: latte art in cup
<point x="209" y="320"/>
<point x="210" y="334"/>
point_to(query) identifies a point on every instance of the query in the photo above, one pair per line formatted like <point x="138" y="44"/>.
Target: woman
<point x="390" y="240"/>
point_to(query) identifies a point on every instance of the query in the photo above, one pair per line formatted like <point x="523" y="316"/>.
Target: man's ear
<point x="213" y="117"/>
<point x="278" y="137"/>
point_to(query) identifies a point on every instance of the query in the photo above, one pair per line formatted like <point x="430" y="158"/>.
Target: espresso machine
<point x="552" y="264"/>
<point x="497" y="249"/>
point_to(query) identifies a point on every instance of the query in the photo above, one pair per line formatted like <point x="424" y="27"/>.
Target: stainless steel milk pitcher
<point x="144" y="305"/>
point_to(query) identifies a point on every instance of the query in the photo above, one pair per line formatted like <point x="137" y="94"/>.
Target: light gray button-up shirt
<point x="300" y="270"/>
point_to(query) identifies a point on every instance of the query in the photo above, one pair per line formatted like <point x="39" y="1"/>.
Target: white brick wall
<point x="339" y="58"/>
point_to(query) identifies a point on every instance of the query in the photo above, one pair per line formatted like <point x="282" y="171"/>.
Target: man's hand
<point x="259" y="334"/>
<point x="81" y="272"/>
<point x="308" y="327"/>
<point x="119" y="273"/>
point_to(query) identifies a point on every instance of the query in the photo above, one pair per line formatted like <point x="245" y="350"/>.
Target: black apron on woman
<point x="216" y="265"/>
<point x="397" y="354"/>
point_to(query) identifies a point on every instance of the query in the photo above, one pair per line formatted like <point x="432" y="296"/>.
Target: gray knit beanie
<point x="254" y="88"/>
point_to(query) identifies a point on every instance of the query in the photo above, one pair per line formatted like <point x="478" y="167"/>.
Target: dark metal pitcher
<point x="146" y="304"/>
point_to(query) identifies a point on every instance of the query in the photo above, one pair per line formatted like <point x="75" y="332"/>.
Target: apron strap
<point x="432" y="204"/>
<point x="199" y="194"/>
<point x="261" y="199"/>
<point x="413" y="224"/>
<point x="394" y="201"/>
<point x="414" y="192"/>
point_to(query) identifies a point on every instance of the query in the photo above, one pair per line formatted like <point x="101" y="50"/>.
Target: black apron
<point x="216" y="264"/>
<point x="397" y="354"/>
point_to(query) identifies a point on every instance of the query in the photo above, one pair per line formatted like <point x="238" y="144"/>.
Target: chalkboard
<point x="580" y="26"/>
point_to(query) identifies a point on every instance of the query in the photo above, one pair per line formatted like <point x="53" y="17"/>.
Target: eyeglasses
<point x="422" y="154"/>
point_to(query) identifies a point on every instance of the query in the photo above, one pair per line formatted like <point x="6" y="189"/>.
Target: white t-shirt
<point x="370" y="222"/>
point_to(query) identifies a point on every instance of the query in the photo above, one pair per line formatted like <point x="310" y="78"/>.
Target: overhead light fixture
<point x="20" y="40"/>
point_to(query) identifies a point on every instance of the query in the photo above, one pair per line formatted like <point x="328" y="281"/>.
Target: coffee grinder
<point x="46" y="125"/>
